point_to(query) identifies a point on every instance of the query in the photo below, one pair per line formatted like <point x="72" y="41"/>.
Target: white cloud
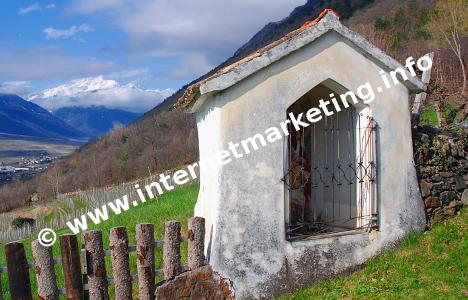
<point x="90" y="91"/>
<point x="208" y="29"/>
<point x="52" y="33"/>
<point x="21" y="88"/>
<point x="48" y="63"/>
<point x="34" y="7"/>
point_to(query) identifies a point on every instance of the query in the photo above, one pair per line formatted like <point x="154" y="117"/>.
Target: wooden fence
<point x="84" y="270"/>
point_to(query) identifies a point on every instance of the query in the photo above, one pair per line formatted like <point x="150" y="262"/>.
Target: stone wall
<point x="441" y="158"/>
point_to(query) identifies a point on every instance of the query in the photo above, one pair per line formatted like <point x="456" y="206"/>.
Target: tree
<point x="449" y="24"/>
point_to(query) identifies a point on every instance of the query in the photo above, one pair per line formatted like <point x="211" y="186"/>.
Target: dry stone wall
<point x="441" y="158"/>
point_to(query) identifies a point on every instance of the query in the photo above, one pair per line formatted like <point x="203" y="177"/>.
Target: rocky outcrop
<point x="441" y="158"/>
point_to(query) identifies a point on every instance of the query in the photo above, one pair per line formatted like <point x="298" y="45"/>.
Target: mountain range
<point x="25" y="118"/>
<point x="90" y="91"/>
<point x="21" y="117"/>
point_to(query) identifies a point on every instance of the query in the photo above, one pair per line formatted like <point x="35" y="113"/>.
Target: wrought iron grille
<point x="331" y="176"/>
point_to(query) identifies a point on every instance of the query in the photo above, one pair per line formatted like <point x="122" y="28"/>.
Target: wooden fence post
<point x="18" y="271"/>
<point x="196" y="243"/>
<point x="118" y="243"/>
<point x="45" y="271"/>
<point x="171" y="250"/>
<point x="145" y="260"/>
<point x="71" y="267"/>
<point x="95" y="260"/>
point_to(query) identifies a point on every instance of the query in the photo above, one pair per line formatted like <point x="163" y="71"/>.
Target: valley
<point x="21" y="157"/>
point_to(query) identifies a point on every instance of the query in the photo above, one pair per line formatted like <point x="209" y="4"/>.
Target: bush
<point x="21" y="222"/>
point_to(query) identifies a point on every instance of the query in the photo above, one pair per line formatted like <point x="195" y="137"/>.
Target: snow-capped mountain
<point x="97" y="91"/>
<point x="76" y="87"/>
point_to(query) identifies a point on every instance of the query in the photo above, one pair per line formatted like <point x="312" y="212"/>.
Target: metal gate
<point x="331" y="176"/>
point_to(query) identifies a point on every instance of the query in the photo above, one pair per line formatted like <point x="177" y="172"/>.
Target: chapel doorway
<point x="330" y="178"/>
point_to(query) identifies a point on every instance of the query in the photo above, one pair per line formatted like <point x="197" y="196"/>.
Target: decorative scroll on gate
<point x="331" y="176"/>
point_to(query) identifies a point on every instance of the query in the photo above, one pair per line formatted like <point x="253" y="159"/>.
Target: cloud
<point x="90" y="6"/>
<point x="54" y="34"/>
<point x="34" y="7"/>
<point x="191" y="63"/>
<point x="141" y="73"/>
<point x="90" y="91"/>
<point x="49" y="63"/>
<point x="208" y="29"/>
<point x="21" y="88"/>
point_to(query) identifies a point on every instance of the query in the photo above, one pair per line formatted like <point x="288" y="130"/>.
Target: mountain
<point x="86" y="92"/>
<point x="94" y="121"/>
<point x="21" y="117"/>
<point x="75" y="87"/>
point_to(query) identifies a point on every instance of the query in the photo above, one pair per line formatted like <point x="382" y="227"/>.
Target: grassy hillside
<point x="176" y="205"/>
<point x="430" y="266"/>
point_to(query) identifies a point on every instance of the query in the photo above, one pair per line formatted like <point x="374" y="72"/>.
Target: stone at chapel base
<point x="464" y="197"/>
<point x="439" y="187"/>
<point x="460" y="184"/>
<point x="425" y="188"/>
<point x="432" y="202"/>
<point x="447" y="196"/>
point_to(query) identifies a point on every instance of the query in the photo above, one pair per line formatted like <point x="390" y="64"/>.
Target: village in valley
<point x="26" y="168"/>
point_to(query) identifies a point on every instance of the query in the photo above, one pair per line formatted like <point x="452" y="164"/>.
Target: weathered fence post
<point x="421" y="97"/>
<point x="71" y="267"/>
<point x="45" y="271"/>
<point x="95" y="260"/>
<point x="18" y="271"/>
<point x="171" y="250"/>
<point x="118" y="243"/>
<point x="145" y="260"/>
<point x="196" y="242"/>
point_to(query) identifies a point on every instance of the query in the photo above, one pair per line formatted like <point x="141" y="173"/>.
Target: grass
<point x="429" y="117"/>
<point x="175" y="205"/>
<point x="428" y="266"/>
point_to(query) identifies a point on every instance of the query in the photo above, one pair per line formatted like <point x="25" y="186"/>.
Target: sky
<point x="158" y="45"/>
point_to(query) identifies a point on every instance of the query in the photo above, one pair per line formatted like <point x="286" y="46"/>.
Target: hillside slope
<point x="21" y="117"/>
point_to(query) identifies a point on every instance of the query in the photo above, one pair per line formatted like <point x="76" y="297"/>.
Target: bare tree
<point x="448" y="24"/>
